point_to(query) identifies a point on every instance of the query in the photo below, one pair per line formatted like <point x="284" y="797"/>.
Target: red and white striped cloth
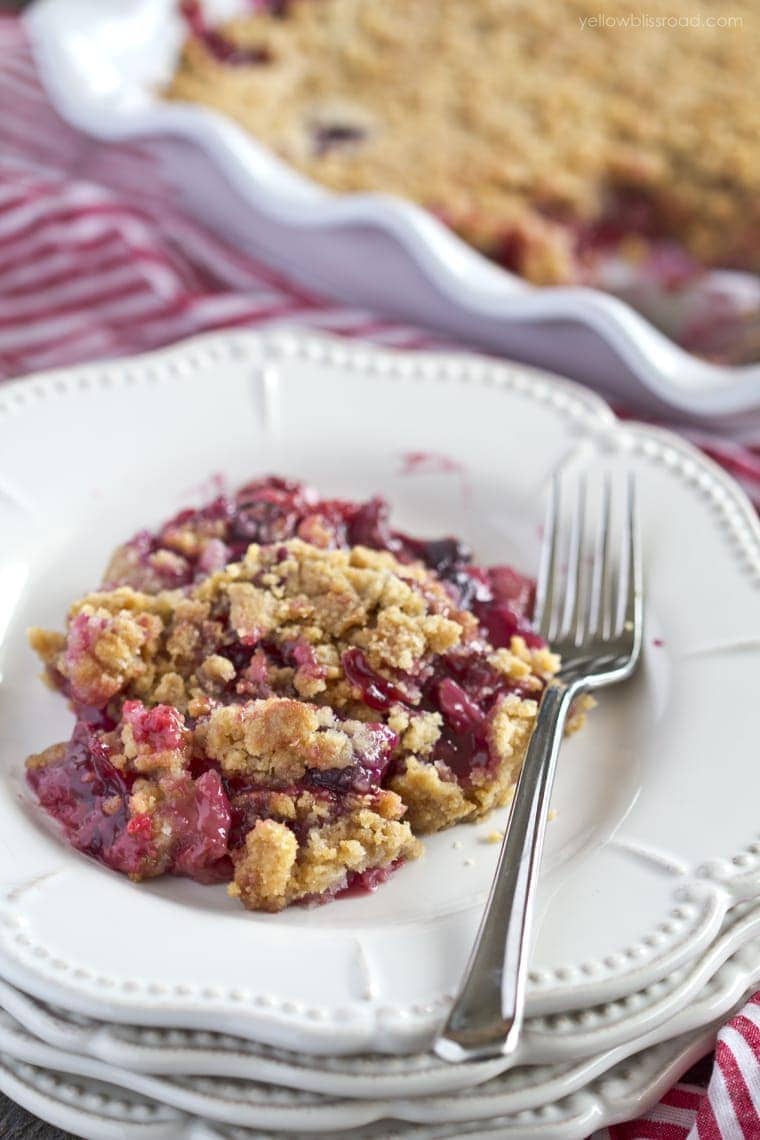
<point x="96" y="261"/>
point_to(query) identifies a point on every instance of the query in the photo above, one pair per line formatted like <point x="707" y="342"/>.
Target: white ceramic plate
<point x="103" y="61"/>
<point x="99" y="1111"/>
<point x="550" y="1049"/>
<point x="255" y="1104"/>
<point x="656" y="800"/>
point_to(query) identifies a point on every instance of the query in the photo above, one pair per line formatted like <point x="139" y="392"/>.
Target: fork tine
<point x="601" y="578"/>
<point x="547" y="570"/>
<point x="572" y="619"/>
<point x="631" y="601"/>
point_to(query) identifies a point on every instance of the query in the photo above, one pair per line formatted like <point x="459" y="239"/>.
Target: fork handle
<point x="487" y="1015"/>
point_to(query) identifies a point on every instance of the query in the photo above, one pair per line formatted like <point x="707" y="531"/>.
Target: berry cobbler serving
<point x="550" y="135"/>
<point x="280" y="692"/>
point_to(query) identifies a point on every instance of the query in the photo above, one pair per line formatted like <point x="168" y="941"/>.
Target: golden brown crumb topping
<point x="272" y="870"/>
<point x="280" y="739"/>
<point x="165" y="647"/>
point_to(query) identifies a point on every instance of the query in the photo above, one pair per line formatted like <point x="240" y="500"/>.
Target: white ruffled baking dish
<point x="103" y="61"/>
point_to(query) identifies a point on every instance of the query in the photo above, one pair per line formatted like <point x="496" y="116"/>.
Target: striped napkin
<point x="96" y="261"/>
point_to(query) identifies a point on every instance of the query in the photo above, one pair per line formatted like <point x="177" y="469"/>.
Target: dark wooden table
<point x="16" y="1124"/>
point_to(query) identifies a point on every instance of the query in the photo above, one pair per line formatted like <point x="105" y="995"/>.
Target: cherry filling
<point x="629" y="213"/>
<point x="365" y="882"/>
<point x="504" y="604"/>
<point x="223" y="49"/>
<point x="277" y="8"/>
<point x="366" y="774"/>
<point x="459" y="710"/>
<point x="271" y="514"/>
<point x="502" y="622"/>
<point x="368" y="525"/>
<point x="335" y="136"/>
<point x="197" y="816"/>
<point x="445" y="556"/>
<point x="161" y="728"/>
<point x="250" y="804"/>
<point x="463" y="744"/>
<point x="463" y="687"/>
<point x="253" y="660"/>
<point x="377" y="692"/>
<point x="89" y="797"/>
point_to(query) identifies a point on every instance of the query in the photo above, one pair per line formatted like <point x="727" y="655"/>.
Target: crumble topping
<point x="282" y="620"/>
<point x="286" y="721"/>
<point x="106" y="647"/>
<point x="435" y="801"/>
<point x="271" y="870"/>
<point x="280" y="739"/>
<point x="527" y="127"/>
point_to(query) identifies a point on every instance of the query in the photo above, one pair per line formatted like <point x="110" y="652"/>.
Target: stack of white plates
<point x="164" y="1009"/>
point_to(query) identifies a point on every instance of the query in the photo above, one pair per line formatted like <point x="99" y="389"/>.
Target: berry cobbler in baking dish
<point x="548" y="134"/>
<point x="280" y="691"/>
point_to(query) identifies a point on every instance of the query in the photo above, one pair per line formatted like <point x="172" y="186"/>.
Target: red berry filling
<point x="334" y="136"/>
<point x="89" y="798"/>
<point x="226" y="51"/>
<point x="377" y="692"/>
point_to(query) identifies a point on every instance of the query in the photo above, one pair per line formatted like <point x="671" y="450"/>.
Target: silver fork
<point x="592" y="614"/>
